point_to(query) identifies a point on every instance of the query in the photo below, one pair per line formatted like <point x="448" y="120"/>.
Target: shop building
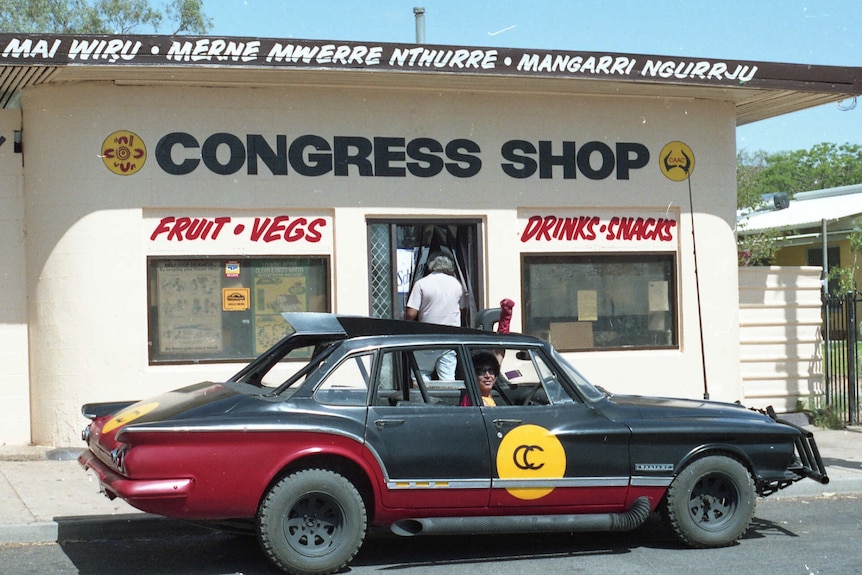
<point x="164" y="198"/>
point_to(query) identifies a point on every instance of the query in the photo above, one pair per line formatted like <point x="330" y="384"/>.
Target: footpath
<point x="47" y="497"/>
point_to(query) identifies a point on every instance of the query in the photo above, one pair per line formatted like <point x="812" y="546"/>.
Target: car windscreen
<point x="586" y="388"/>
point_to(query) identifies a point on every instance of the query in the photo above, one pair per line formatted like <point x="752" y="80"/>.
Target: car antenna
<point x="697" y="285"/>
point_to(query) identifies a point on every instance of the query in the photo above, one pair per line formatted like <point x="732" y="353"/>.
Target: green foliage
<point x="827" y="418"/>
<point x="189" y="16"/>
<point x="123" y="16"/>
<point x="846" y="276"/>
<point x="757" y="249"/>
<point x="825" y="165"/>
<point x="749" y="186"/>
<point x="855" y="239"/>
<point x="821" y="415"/>
<point x="101" y="16"/>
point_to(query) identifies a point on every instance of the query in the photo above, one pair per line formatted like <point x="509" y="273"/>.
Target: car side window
<point x="524" y="378"/>
<point x="409" y="377"/>
<point x="348" y="383"/>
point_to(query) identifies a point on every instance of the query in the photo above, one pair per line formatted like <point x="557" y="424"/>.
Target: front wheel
<point x="312" y="522"/>
<point x="711" y="502"/>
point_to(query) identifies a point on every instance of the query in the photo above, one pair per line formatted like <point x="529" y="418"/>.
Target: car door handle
<point x="500" y="423"/>
<point x="381" y="423"/>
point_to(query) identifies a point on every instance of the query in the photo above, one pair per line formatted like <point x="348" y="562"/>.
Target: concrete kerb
<point x="23" y="533"/>
<point x="46" y="497"/>
<point x="99" y="527"/>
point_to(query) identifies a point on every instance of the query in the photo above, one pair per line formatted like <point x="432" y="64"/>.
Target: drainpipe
<point x="419" y="12"/>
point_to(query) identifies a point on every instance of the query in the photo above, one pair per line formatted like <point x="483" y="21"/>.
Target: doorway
<point x="398" y="251"/>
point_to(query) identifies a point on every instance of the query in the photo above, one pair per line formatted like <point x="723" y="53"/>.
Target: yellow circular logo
<point x="128" y="415"/>
<point x="124" y="153"/>
<point x="530" y="452"/>
<point x="676" y="161"/>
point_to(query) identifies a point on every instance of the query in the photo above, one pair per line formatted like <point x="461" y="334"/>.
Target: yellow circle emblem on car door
<point x="128" y="415"/>
<point x="531" y="453"/>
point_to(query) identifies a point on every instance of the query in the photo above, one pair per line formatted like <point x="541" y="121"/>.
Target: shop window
<point x="596" y="301"/>
<point x="228" y="309"/>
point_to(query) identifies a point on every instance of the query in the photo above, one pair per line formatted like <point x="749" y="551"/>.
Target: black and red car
<point x="343" y="425"/>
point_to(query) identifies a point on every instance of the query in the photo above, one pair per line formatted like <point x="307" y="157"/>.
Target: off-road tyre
<point x="312" y="522"/>
<point x="711" y="502"/>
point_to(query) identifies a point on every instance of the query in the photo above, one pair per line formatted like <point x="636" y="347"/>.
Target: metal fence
<point x="841" y="355"/>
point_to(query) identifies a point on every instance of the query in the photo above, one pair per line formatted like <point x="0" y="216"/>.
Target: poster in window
<point x="189" y="307"/>
<point x="404" y="259"/>
<point x="277" y="289"/>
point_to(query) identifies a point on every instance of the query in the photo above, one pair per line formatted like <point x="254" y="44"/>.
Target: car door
<point x="547" y="447"/>
<point x="433" y="452"/>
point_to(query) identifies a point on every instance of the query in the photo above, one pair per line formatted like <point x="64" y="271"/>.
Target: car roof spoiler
<point x="315" y="323"/>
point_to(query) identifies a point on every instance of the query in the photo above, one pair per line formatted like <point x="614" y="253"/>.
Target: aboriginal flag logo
<point x="124" y="153"/>
<point x="676" y="161"/>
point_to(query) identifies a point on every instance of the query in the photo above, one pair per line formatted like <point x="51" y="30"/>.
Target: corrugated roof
<point x="806" y="210"/>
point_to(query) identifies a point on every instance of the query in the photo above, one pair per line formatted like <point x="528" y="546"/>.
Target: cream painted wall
<point x="87" y="247"/>
<point x="14" y="375"/>
<point x="780" y="321"/>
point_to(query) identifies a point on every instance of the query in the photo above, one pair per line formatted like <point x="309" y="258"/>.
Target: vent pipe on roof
<point x="419" y="12"/>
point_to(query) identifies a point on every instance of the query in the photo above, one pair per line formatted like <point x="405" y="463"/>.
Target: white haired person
<point x="436" y="298"/>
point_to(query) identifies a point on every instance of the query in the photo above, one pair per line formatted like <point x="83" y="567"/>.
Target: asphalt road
<point x="820" y="536"/>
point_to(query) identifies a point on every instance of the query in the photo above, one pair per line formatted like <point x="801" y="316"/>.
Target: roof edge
<point x="253" y="52"/>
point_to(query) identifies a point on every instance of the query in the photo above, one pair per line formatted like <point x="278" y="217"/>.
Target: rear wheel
<point x="711" y="502"/>
<point x="312" y="522"/>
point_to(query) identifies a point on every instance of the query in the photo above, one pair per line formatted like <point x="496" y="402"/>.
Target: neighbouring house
<point x="808" y="224"/>
<point x="782" y="360"/>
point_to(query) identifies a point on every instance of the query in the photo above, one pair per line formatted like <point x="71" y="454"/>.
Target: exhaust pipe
<point x="627" y="521"/>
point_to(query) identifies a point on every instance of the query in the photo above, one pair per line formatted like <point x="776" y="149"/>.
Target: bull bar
<point x="807" y="463"/>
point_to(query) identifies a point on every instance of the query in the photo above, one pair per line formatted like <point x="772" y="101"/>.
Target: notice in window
<point x="658" y="296"/>
<point x="189" y="307"/>
<point x="588" y="305"/>
<point x="235" y="299"/>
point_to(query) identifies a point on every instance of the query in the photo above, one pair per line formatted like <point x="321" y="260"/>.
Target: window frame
<point x="251" y="264"/>
<point x="335" y="389"/>
<point x="669" y="317"/>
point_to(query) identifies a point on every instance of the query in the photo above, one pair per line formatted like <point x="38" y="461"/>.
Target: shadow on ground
<point x="176" y="548"/>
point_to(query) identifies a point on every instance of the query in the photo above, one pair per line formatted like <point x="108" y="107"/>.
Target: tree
<point x="749" y="170"/>
<point x="825" y="165"/>
<point x="101" y="16"/>
<point x="846" y="276"/>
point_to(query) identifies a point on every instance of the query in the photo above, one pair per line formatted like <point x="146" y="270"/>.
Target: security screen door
<point x="399" y="251"/>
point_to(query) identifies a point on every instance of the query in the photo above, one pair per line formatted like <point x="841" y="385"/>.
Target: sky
<point x="819" y="32"/>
